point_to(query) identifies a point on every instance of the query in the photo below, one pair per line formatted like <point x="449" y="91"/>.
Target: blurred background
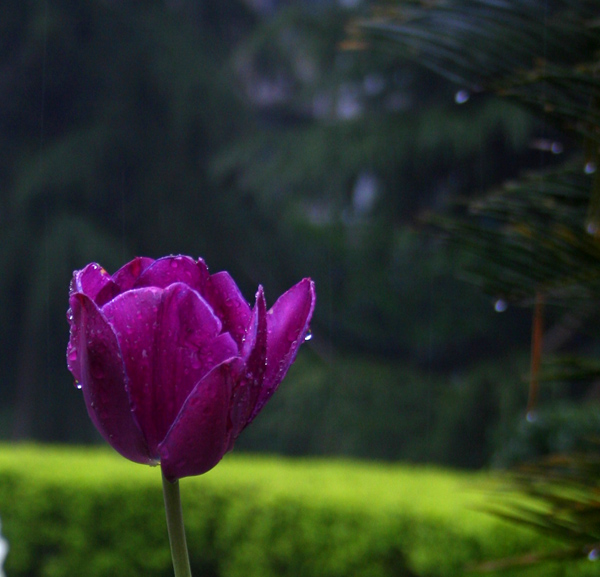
<point x="284" y="139"/>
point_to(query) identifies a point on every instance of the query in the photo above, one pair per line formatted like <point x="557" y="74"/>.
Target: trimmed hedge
<point x="71" y="512"/>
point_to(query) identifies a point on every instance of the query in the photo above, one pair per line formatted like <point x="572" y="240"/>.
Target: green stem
<point x="179" y="552"/>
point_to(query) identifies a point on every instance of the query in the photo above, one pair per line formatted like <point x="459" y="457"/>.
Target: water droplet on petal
<point x="78" y="385"/>
<point x="308" y="335"/>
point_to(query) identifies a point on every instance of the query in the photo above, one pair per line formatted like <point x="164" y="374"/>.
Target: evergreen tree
<point x="536" y="239"/>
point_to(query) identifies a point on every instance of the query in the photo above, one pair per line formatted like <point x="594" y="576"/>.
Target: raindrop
<point x="589" y="168"/>
<point x="531" y="416"/>
<point x="78" y="385"/>
<point x="592" y="228"/>
<point x="500" y="305"/>
<point x="308" y="335"/>
<point x="462" y="96"/>
<point x="594" y="555"/>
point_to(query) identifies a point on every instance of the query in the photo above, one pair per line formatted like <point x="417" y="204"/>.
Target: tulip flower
<point x="173" y="363"/>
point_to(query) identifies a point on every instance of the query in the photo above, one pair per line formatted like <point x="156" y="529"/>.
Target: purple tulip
<point x="172" y="361"/>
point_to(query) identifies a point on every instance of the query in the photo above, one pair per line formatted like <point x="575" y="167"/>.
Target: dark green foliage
<point x="531" y="236"/>
<point x="536" y="238"/>
<point x="560" y="429"/>
<point x="390" y="410"/>
<point x="538" y="224"/>
<point x="561" y="501"/>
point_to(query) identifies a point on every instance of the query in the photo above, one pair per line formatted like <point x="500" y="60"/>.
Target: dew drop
<point x="594" y="555"/>
<point x="308" y="335"/>
<point x="78" y="385"/>
<point x="462" y="96"/>
<point x="592" y="228"/>
<point x="589" y="168"/>
<point x="531" y="416"/>
<point x="500" y="305"/>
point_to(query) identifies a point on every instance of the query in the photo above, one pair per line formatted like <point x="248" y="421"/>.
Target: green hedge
<point x="88" y="512"/>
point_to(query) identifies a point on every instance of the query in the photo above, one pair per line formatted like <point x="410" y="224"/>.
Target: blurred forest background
<point x="279" y="140"/>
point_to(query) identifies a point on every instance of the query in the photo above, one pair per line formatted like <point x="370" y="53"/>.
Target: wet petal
<point x="200" y="436"/>
<point x="104" y="380"/>
<point x="229" y="305"/>
<point x="90" y="280"/>
<point x="188" y="346"/>
<point x="170" y="340"/>
<point x="128" y="274"/>
<point x="248" y="386"/>
<point x="287" y="323"/>
<point x="171" y="269"/>
<point x="134" y="318"/>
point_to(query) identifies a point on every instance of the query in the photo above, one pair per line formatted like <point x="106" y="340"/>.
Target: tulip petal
<point x="254" y="353"/>
<point x="229" y="305"/>
<point x="123" y="279"/>
<point x="287" y="324"/>
<point x="90" y="280"/>
<point x="134" y="318"/>
<point x="171" y="269"/>
<point x="104" y="380"/>
<point x="199" y="437"/>
<point x="128" y="274"/>
<point x="188" y="346"/>
<point x="170" y="340"/>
